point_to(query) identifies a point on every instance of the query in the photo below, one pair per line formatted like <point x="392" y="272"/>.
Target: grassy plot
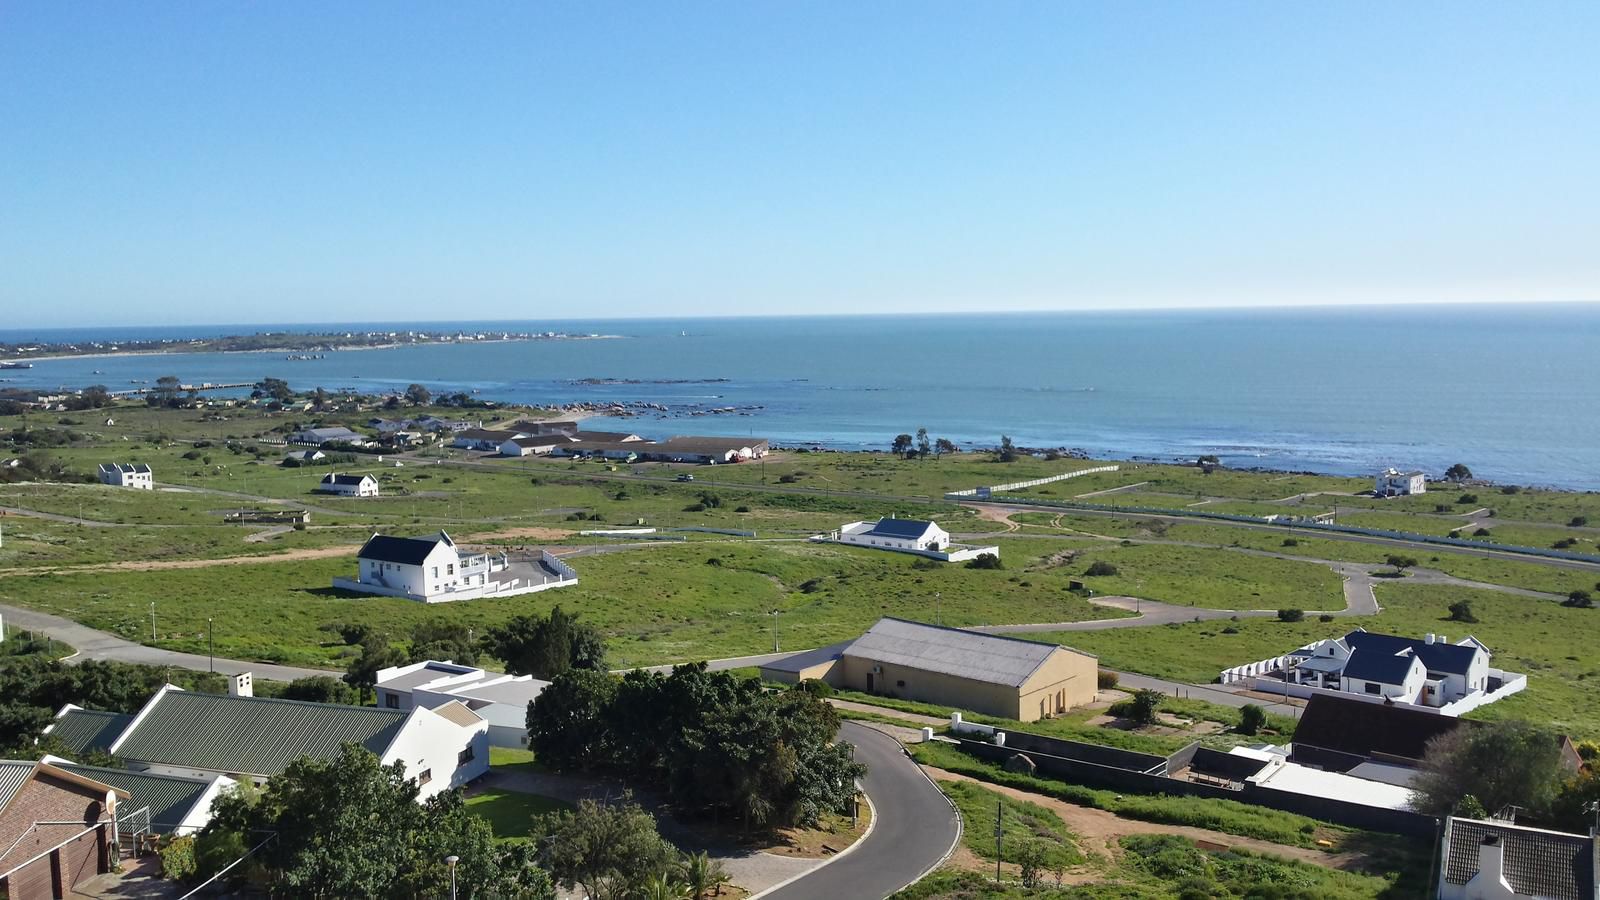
<point x="667" y="603"/>
<point x="511" y="812"/>
<point x="1027" y="828"/>
<point x="1209" y="578"/>
<point x="33" y="542"/>
<point x="1552" y="644"/>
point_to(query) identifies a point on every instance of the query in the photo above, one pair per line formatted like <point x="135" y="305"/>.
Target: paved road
<point x="915" y="828"/>
<point x="92" y="644"/>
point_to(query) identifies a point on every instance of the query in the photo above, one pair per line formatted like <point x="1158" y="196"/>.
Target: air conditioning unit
<point x="877" y="670"/>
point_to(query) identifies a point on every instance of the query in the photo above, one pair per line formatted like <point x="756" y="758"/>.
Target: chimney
<point x="1429" y="639"/>
<point x="241" y="685"/>
<point x="1492" y="863"/>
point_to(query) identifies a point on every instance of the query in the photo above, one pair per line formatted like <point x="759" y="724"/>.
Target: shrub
<point x="816" y="687"/>
<point x="177" y="859"/>
<point x="1481" y="532"/>
<point x="1141" y="707"/>
<point x="1564" y="543"/>
<point x="1251" y="718"/>
<point x="1325" y="617"/>
<point x="1461" y="611"/>
<point x="1290" y="542"/>
<point x="1100" y="568"/>
<point x="742" y="509"/>
<point x="1231" y="629"/>
<point x="788" y="478"/>
<point x="1579" y="521"/>
<point x="1511" y="489"/>
<point x="1467" y="498"/>
<point x="811" y="585"/>
<point x="713" y="561"/>
<point x="986" y="561"/>
<point x="1579" y="599"/>
<point x="1106" y="679"/>
<point x="1291" y="615"/>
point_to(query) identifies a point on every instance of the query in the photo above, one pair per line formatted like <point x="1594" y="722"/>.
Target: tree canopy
<point x="546" y="646"/>
<point x="1502" y="763"/>
<point x="718" y="745"/>
<point x="610" y="851"/>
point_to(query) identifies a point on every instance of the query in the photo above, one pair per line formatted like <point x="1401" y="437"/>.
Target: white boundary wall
<point x="1020" y="485"/>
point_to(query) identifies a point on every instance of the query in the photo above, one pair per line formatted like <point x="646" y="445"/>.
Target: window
<point x="436" y="571"/>
<point x="425" y="777"/>
<point x="391" y="700"/>
<point x="449" y="568"/>
<point x="1372" y="688"/>
<point x="899" y="684"/>
<point x="466" y="756"/>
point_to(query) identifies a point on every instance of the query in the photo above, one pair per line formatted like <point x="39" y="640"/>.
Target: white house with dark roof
<point x="986" y="673"/>
<point x="502" y="700"/>
<point x="906" y="536"/>
<point x="333" y="434"/>
<point x="1395" y="483"/>
<point x="537" y="445"/>
<point x="484" y="438"/>
<point x="191" y="735"/>
<point x="1491" y="860"/>
<point x="128" y="475"/>
<point x="1427" y="673"/>
<point x="347" y="485"/>
<point x="433" y="569"/>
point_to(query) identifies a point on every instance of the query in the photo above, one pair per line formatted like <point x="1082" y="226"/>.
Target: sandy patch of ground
<point x="1098" y="831"/>
<point x="533" y="532"/>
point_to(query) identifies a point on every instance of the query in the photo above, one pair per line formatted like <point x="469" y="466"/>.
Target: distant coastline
<point x="308" y="342"/>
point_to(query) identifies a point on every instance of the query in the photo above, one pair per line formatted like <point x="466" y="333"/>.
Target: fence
<point x="1410" y="536"/>
<point x="730" y="531"/>
<point x="1023" y="485"/>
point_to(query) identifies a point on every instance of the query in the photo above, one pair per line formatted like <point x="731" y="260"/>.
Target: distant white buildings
<point x="337" y="434"/>
<point x="348" y="485"/>
<point x="502" y="700"/>
<point x="1395" y="483"/>
<point x="906" y="536"/>
<point x="1430" y="673"/>
<point x="134" y="475"/>
<point x="433" y="570"/>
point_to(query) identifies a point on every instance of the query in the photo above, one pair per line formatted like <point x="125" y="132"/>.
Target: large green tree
<point x="1503" y="763"/>
<point x="609" y="852"/>
<point x="565" y="725"/>
<point x="376" y="654"/>
<point x="546" y="646"/>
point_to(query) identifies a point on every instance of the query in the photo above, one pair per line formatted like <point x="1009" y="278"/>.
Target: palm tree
<point x="663" y="887"/>
<point x="702" y="875"/>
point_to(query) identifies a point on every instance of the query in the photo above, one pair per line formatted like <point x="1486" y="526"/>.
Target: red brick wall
<point x="48" y="799"/>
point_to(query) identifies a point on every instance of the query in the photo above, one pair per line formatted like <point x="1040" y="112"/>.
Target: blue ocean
<point x="1508" y="390"/>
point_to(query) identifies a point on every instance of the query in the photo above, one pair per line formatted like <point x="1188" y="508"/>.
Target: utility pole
<point x="211" y="647"/>
<point x="938" y="614"/>
<point x="775" y="631"/>
<point x="152" y="621"/>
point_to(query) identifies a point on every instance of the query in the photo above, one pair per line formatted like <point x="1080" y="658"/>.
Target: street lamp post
<point x="775" y="630"/>
<point x="211" y="647"/>
<point x="938" y="614"/>
<point x="451" y="862"/>
<point x="152" y="621"/>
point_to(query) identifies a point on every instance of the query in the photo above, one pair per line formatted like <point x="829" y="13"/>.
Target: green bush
<point x="1106" y="679"/>
<point x="1100" y="568"/>
<point x="178" y="859"/>
<point x="1291" y="615"/>
<point x="1251" y="718"/>
<point x="986" y="561"/>
<point x="816" y="687"/>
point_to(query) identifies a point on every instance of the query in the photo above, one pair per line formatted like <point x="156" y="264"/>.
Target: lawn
<point x="511" y="812"/>
<point x="1552" y="644"/>
<point x="1022" y="824"/>
<point x="667" y="603"/>
<point x="1210" y="578"/>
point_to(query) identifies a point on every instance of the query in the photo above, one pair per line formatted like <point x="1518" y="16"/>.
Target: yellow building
<point x="991" y="674"/>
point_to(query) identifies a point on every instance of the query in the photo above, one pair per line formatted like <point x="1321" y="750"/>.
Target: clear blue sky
<point x="272" y="161"/>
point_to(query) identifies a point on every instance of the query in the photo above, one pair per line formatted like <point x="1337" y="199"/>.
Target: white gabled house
<point x="190" y="735"/>
<point x="532" y="446"/>
<point x="1428" y="673"/>
<point x="502" y="700"/>
<point x="128" y="475"/>
<point x="1395" y="483"/>
<point x="434" y="570"/>
<point x="348" y="485"/>
<point x="906" y="536"/>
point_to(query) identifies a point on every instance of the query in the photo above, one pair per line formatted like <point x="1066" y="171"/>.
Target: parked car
<point x="686" y="477"/>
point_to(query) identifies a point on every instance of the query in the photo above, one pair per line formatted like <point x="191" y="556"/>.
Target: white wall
<point x="429" y="742"/>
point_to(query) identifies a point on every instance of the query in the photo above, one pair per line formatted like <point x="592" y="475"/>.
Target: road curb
<point x="871" y="826"/>
<point x="960" y="826"/>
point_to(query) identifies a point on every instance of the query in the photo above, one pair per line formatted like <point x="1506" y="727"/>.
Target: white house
<point x="178" y="805"/>
<point x="434" y="570"/>
<point x="348" y="485"/>
<point x="191" y="735"/>
<point x="1429" y="673"/>
<point x="304" y="457"/>
<point x="1395" y="483"/>
<point x="532" y="446"/>
<point x="502" y="700"/>
<point x="483" y="438"/>
<point x="693" y="449"/>
<point x="1492" y="860"/>
<point x="895" y="534"/>
<point x="135" y="475"/>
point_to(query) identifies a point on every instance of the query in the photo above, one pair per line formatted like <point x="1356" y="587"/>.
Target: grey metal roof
<point x="79" y="730"/>
<point x="900" y="528"/>
<point x="13" y="773"/>
<point x="432" y="671"/>
<point x="1537" y="863"/>
<point x="251" y="735"/>
<point x="952" y="651"/>
<point x="514" y="692"/>
<point x="170" y="798"/>
<point x="799" y="662"/>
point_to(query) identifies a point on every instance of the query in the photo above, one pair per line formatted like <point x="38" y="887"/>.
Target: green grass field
<point x="1213" y="579"/>
<point x="1022" y="824"/>
<point x="511" y="812"/>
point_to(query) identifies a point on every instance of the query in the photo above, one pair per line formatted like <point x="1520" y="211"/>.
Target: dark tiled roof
<point x="900" y="528"/>
<point x="486" y="434"/>
<point x="603" y="437"/>
<point x="1364" y="729"/>
<point x="343" y="479"/>
<point x="1538" y="863"/>
<point x="170" y="799"/>
<point x="80" y="730"/>
<point x="402" y="550"/>
<point x="1374" y="664"/>
<point x="1438" y="656"/>
<point x="252" y="735"/>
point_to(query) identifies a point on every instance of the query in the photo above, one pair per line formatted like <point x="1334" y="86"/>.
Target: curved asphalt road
<point x="914" y="830"/>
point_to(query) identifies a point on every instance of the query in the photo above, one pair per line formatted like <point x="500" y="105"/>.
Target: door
<point x="870" y="680"/>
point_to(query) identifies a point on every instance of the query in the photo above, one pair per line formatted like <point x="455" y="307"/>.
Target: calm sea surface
<point x="1510" y="391"/>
